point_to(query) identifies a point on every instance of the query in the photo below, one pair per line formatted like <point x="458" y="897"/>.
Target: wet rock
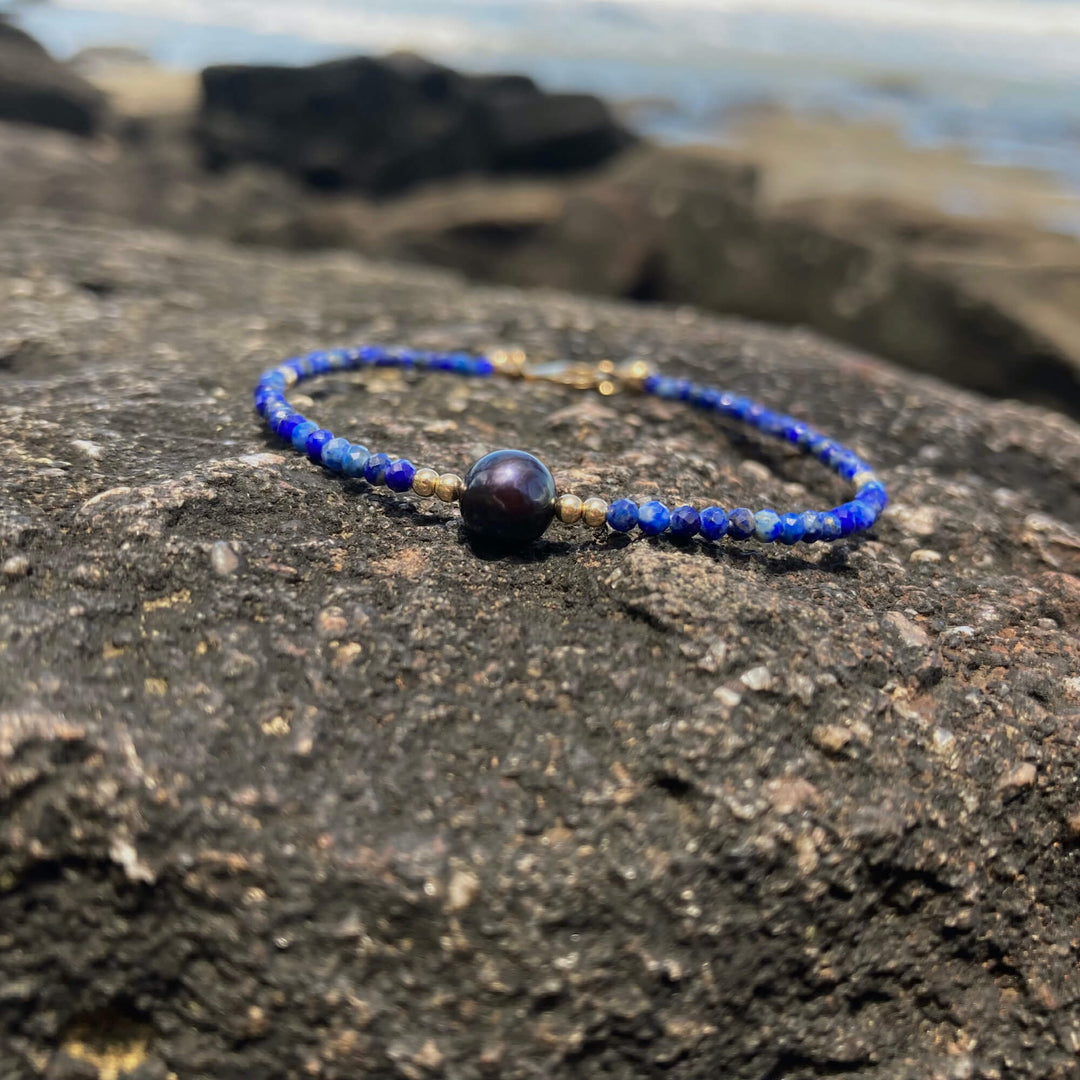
<point x="377" y="806"/>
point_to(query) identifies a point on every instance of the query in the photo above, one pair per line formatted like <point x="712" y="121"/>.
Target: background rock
<point x="366" y="804"/>
<point x="35" y="89"/>
<point x="384" y="125"/>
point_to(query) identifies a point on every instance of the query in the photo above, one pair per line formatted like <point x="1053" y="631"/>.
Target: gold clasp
<point x="604" y="377"/>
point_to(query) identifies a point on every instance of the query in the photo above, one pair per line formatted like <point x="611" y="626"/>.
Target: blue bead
<point x="313" y="445"/>
<point x="685" y="522"/>
<point x="829" y="526"/>
<point x="278" y="416"/>
<point x="653" y="518"/>
<point x="375" y="470"/>
<point x="300" y="434"/>
<point x="811" y="520"/>
<point x="289" y="425"/>
<point x="846" y="518"/>
<point x="622" y="515"/>
<point x="874" y="495"/>
<point x="862" y="515"/>
<point x="355" y="461"/>
<point x="714" y="522"/>
<point x="651" y="383"/>
<point x="792" y="528"/>
<point x="399" y="475"/>
<point x="741" y="523"/>
<point x="483" y="367"/>
<point x="767" y="526"/>
<point x="333" y="454"/>
<point x="272" y="380"/>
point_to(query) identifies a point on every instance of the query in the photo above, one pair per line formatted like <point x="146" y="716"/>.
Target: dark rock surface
<point x="36" y="89"/>
<point x="382" y="125"/>
<point x="293" y="784"/>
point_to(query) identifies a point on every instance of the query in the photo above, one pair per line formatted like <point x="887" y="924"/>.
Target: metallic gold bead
<point x="633" y="373"/>
<point x="508" y="361"/>
<point x="424" y="481"/>
<point x="594" y="512"/>
<point x="568" y="509"/>
<point x="449" y="487"/>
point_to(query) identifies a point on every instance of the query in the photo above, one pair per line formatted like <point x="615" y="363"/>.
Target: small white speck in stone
<point x="17" y="566"/>
<point x="223" y="559"/>
<point x="92" y="450"/>
<point x="757" y="678"/>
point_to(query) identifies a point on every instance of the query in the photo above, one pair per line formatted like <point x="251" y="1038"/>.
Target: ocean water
<point x="1000" y="77"/>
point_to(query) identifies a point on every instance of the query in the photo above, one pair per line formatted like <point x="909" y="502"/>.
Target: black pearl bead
<point x="509" y="499"/>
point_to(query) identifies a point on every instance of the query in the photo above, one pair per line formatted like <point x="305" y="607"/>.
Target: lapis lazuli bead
<point x="333" y="454"/>
<point x="873" y="494"/>
<point x="375" y="469"/>
<point x="685" y="522"/>
<point x="300" y="434"/>
<point x="846" y="517"/>
<point x="653" y="518"/>
<point x="713" y="522"/>
<point x="741" y="523"/>
<point x="829" y="527"/>
<point x="767" y="526"/>
<point x="355" y="461"/>
<point x="509" y="499"/>
<point x="315" y="443"/>
<point x="811" y="521"/>
<point x="622" y="515"/>
<point x="862" y="515"/>
<point x="792" y="528"/>
<point x="399" y="475"/>
<point x="289" y="425"/>
<point x="278" y="417"/>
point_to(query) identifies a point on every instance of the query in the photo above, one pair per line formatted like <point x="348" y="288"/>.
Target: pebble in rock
<point x="223" y="559"/>
<point x="18" y="566"/>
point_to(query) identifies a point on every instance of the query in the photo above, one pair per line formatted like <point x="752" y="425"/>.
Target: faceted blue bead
<point x="653" y="518"/>
<point x="741" y="523"/>
<point x="483" y="367"/>
<point x="315" y="442"/>
<point x="714" y="522"/>
<point x="333" y="454"/>
<point x="300" y="434"/>
<point x="649" y="386"/>
<point x="320" y="363"/>
<point x="278" y="416"/>
<point x="848" y="464"/>
<point x="685" y="522"/>
<point x="846" y="518"/>
<point x="811" y="521"/>
<point x="272" y="380"/>
<point x="767" y="526"/>
<point x="355" y="461"/>
<point x="792" y="528"/>
<point x="873" y="494"/>
<point x="375" y="470"/>
<point x="399" y="475"/>
<point x="288" y="426"/>
<point x="862" y="515"/>
<point x="622" y="515"/>
<point x="795" y="430"/>
<point x="829" y="526"/>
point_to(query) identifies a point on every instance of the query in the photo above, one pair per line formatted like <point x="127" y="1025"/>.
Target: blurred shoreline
<point x="717" y="73"/>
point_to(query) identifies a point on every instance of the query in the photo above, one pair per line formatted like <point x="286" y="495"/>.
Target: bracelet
<point x="508" y="498"/>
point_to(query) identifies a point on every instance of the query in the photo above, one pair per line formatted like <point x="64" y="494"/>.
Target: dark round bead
<point x="509" y="499"/>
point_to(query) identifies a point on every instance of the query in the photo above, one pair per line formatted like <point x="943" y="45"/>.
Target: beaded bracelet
<point x="508" y="498"/>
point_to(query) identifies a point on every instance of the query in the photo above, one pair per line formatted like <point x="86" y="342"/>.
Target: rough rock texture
<point x="384" y="125"/>
<point x="36" y="89"/>
<point x="293" y="784"/>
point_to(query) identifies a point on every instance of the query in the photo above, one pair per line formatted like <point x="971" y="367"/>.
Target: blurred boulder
<point x="36" y="89"/>
<point x="383" y="125"/>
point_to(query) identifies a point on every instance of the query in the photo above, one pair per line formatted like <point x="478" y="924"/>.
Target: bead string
<point x="623" y="515"/>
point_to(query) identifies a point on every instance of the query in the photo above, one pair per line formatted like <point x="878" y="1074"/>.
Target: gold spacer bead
<point x="594" y="512"/>
<point x="509" y="362"/>
<point x="633" y="373"/>
<point x="424" y="481"/>
<point x="568" y="509"/>
<point x="449" y="487"/>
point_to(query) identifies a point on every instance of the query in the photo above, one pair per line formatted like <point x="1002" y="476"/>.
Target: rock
<point x="35" y="89"/>
<point x="374" y="806"/>
<point x="383" y="125"/>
